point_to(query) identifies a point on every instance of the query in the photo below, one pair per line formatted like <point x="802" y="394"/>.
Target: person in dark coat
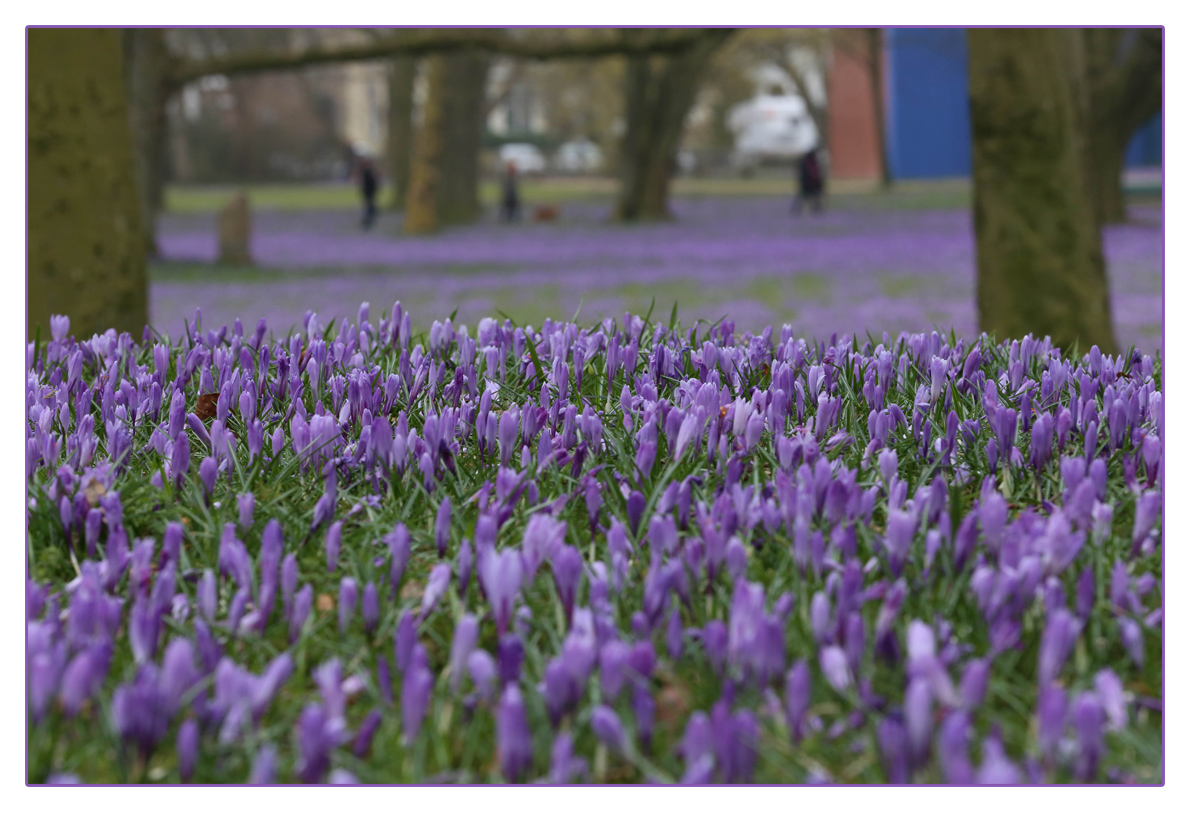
<point x="810" y="182"/>
<point x="510" y="204"/>
<point x="369" y="183"/>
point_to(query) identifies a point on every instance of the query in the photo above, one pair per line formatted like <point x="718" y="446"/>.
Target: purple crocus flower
<point x="140" y="710"/>
<point x="1087" y="718"/>
<point x="83" y="676"/>
<point x="384" y="679"/>
<point x="467" y="633"/>
<point x="348" y="595"/>
<point x="437" y="584"/>
<point x="564" y="765"/>
<point x="715" y="643"/>
<point x="482" y="669"/>
<point x="187" y="748"/>
<point x="371" y="608"/>
<point x="332" y="543"/>
<point x="607" y="728"/>
<point x="303" y="601"/>
<point x="1051" y="715"/>
<point x="364" y="735"/>
<point x="180" y="459"/>
<point x="463" y="567"/>
<point x="510" y="653"/>
<point x="953" y="749"/>
<point x="289" y="582"/>
<point x="318" y="735"/>
<point x="178" y="673"/>
<point x="264" y="766"/>
<point x="514" y="744"/>
<point x="1149" y="505"/>
<point x="404" y="639"/>
<point x="834" y="665"/>
<point x="997" y="768"/>
<point x="208" y="472"/>
<point x="246" y="504"/>
<point x="399" y="550"/>
<point x="635" y="508"/>
<point x="899" y="533"/>
<point x="734" y="737"/>
<point x="144" y="625"/>
<point x="1058" y="638"/>
<point x="974" y="683"/>
<point x="917" y="711"/>
<point x="500" y="575"/>
<point x="567" y="564"/>
<point x="442" y="527"/>
<point x="416" y="686"/>
<point x="895" y="750"/>
<point x="1112" y="698"/>
<point x="798" y="697"/>
<point x="1132" y="639"/>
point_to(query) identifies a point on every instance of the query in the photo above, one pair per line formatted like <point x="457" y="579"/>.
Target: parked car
<point x="527" y="158"/>
<point x="771" y="129"/>
<point x="579" y="155"/>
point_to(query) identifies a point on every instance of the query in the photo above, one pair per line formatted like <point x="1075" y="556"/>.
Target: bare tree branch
<point x="530" y="45"/>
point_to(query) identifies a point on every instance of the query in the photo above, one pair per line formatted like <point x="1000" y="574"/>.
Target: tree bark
<point x="421" y="200"/>
<point x="463" y="123"/>
<point x="1038" y="251"/>
<point x="401" y="127"/>
<point x="145" y="65"/>
<point x="86" y="248"/>
<point x="1124" y="77"/>
<point x="659" y="92"/>
<point x="875" y="53"/>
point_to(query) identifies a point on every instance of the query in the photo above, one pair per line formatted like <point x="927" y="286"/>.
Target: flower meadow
<point x="631" y="552"/>
<point x="853" y="269"/>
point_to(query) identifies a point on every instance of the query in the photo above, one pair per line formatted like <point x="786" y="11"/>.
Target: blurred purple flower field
<point x="849" y="270"/>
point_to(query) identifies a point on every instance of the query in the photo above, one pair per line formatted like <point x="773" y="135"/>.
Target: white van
<point x="527" y="159"/>
<point x="579" y="155"/>
<point x="771" y="129"/>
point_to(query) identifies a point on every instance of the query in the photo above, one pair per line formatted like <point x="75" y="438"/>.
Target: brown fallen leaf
<point x="412" y="589"/>
<point x="205" y="408"/>
<point x="325" y="603"/>
<point x="673" y="704"/>
<point x="93" y="492"/>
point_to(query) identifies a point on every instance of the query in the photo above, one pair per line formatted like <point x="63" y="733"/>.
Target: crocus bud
<point x="187" y="748"/>
<point x="513" y="740"/>
<point x="348" y="594"/>
<point x="331" y="543"/>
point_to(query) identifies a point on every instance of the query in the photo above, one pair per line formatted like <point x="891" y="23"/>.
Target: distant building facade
<point x="925" y="92"/>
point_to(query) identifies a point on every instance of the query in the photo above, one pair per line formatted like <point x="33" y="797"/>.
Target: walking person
<point x="369" y="183"/>
<point x="810" y="182"/>
<point x="510" y="205"/>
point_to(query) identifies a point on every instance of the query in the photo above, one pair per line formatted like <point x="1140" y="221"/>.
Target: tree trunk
<point x="1038" y="252"/>
<point x="1106" y="151"/>
<point x="1124" y="77"/>
<point x="659" y="92"/>
<point x="421" y="200"/>
<point x="86" y="249"/>
<point x="875" y="60"/>
<point x="401" y="128"/>
<point x="145" y="66"/>
<point x="463" y="116"/>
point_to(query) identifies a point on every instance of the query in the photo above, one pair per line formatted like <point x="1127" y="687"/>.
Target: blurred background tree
<point x="86" y="249"/>
<point x="257" y="105"/>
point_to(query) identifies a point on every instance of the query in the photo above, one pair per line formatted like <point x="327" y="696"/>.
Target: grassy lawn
<point x="934" y="194"/>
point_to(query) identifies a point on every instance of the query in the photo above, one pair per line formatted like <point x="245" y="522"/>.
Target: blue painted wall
<point x="1145" y="149"/>
<point x="928" y="133"/>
